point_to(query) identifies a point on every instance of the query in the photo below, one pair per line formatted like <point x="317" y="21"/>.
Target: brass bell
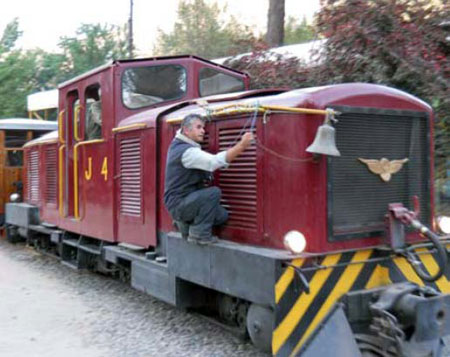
<point x="324" y="142"/>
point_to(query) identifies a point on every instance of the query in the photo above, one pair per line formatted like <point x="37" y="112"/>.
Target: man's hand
<point x="246" y="139"/>
<point x="237" y="149"/>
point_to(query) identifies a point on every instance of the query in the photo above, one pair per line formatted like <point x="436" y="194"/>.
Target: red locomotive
<point x="319" y="255"/>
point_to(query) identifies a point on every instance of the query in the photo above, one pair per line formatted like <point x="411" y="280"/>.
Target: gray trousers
<point x="201" y="210"/>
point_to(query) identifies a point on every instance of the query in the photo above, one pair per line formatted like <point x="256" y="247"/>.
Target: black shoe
<point x="203" y="241"/>
<point x="183" y="228"/>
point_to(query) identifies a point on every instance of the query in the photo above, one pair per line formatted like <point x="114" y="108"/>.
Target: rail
<point x="76" y="212"/>
<point x="60" y="159"/>
<point x="233" y="109"/>
<point x="76" y="127"/>
<point x="129" y="127"/>
<point x="60" y="127"/>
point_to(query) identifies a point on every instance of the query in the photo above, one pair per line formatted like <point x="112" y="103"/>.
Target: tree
<point x="93" y="45"/>
<point x="271" y="70"/>
<point x="399" y="43"/>
<point x="275" y="23"/>
<point x="25" y="72"/>
<point x="16" y="69"/>
<point x="10" y="35"/>
<point x="297" y="32"/>
<point x="198" y="30"/>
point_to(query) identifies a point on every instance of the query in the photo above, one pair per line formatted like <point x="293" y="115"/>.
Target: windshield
<point x="215" y="82"/>
<point x="145" y="86"/>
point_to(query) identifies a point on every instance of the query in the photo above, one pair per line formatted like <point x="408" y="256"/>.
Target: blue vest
<point x="180" y="181"/>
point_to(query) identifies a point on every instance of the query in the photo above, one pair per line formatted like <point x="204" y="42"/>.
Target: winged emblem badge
<point x="384" y="167"/>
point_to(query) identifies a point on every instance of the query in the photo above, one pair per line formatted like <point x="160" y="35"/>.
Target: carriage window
<point x="15" y="138"/>
<point x="14" y="158"/>
<point x="145" y="86"/>
<point x="93" y="113"/>
<point x="214" y="82"/>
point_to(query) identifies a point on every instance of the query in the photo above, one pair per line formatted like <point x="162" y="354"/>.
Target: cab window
<point x="93" y="114"/>
<point x="213" y="82"/>
<point x="146" y="86"/>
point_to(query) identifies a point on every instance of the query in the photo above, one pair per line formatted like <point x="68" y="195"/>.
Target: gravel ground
<point x="47" y="310"/>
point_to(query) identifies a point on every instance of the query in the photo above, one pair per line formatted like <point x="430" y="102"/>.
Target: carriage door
<point x="66" y="144"/>
<point x="92" y="169"/>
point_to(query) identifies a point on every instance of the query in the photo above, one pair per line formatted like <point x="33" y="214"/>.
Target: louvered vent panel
<point x="130" y="177"/>
<point x="239" y="183"/>
<point x="33" y="175"/>
<point x="51" y="174"/>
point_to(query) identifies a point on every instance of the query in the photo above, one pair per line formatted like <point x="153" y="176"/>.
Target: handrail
<point x="129" y="127"/>
<point x="76" y="212"/>
<point x="61" y="181"/>
<point x="60" y="127"/>
<point x="240" y="109"/>
<point x="76" y="128"/>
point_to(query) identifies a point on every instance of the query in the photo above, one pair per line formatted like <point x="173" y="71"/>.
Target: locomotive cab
<point x="92" y="106"/>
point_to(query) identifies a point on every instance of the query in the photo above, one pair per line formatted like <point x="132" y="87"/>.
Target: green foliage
<point x="16" y="76"/>
<point x="16" y="72"/>
<point x="93" y="46"/>
<point x="25" y="72"/>
<point x="297" y="32"/>
<point x="10" y="36"/>
<point x="199" y="31"/>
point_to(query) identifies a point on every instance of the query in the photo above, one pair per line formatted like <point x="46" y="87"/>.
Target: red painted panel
<point x="136" y="187"/>
<point x="96" y="187"/>
<point x="294" y="195"/>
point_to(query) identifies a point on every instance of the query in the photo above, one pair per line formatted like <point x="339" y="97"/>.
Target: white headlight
<point x="14" y="197"/>
<point x="295" y="241"/>
<point x="444" y="224"/>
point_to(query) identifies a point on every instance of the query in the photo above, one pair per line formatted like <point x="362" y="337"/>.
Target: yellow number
<point x="88" y="172"/>
<point x="105" y="168"/>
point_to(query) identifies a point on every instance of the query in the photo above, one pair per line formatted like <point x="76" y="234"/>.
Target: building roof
<point x="27" y="124"/>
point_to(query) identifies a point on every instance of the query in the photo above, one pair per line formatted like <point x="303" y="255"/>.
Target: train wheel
<point x="260" y="321"/>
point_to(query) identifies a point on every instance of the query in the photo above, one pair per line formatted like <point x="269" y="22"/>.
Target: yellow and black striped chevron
<point x="298" y="313"/>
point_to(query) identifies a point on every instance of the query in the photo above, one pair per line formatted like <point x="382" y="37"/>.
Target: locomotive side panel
<point x="295" y="194"/>
<point x="135" y="185"/>
<point x="49" y="158"/>
<point x="95" y="192"/>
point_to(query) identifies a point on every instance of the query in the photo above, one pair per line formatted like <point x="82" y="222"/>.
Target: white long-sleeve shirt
<point x="196" y="158"/>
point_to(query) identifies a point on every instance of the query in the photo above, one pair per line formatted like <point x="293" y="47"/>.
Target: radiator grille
<point x="358" y="199"/>
<point x="239" y="183"/>
<point x="33" y="175"/>
<point x="130" y="177"/>
<point x="50" y="174"/>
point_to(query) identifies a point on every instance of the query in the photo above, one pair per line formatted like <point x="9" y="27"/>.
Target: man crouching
<point x="194" y="207"/>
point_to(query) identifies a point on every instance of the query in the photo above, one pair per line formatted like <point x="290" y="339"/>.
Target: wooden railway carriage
<point x="14" y="133"/>
<point x="347" y="291"/>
